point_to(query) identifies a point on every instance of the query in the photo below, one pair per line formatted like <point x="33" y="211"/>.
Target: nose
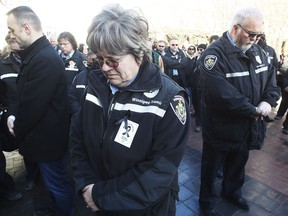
<point x="105" y="67"/>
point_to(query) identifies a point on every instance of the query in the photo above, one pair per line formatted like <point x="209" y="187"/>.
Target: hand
<point x="10" y="124"/>
<point x="263" y="108"/>
<point x="87" y="195"/>
<point x="286" y="89"/>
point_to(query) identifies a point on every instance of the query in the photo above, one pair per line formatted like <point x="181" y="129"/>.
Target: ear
<point x="234" y="30"/>
<point x="26" y="27"/>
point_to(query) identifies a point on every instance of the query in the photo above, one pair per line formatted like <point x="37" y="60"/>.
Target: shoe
<point x="198" y="128"/>
<point x="278" y="117"/>
<point x="285" y="131"/>
<point x="47" y="211"/>
<point x="208" y="212"/>
<point x="237" y="201"/>
<point x="14" y="195"/>
<point x="30" y="184"/>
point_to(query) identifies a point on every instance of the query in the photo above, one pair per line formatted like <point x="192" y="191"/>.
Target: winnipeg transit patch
<point x="210" y="61"/>
<point x="178" y="106"/>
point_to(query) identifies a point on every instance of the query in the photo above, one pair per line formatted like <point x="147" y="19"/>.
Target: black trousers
<point x="234" y="174"/>
<point x="6" y="181"/>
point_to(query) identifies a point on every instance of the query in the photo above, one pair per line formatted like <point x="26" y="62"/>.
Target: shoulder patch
<point x="210" y="61"/>
<point x="178" y="106"/>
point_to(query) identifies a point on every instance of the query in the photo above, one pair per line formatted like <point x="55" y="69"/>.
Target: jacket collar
<point x="33" y="49"/>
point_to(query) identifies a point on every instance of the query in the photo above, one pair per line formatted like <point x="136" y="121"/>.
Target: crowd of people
<point x="110" y="120"/>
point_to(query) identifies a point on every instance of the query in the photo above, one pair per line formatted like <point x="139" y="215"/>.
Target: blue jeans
<point x="60" y="184"/>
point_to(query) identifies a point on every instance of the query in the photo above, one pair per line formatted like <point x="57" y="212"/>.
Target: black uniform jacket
<point x="234" y="84"/>
<point x="131" y="145"/>
<point x="178" y="62"/>
<point x="74" y="65"/>
<point x="9" y="69"/>
<point x="42" y="120"/>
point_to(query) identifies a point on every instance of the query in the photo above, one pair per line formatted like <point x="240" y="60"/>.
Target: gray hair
<point x="24" y="14"/>
<point x="242" y="16"/>
<point x="120" y="32"/>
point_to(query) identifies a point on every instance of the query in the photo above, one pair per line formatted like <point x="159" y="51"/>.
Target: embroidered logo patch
<point x="178" y="106"/>
<point x="210" y="61"/>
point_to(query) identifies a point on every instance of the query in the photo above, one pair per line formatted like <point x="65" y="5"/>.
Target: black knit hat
<point x="203" y="46"/>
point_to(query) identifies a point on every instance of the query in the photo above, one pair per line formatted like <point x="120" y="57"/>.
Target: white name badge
<point x="125" y="135"/>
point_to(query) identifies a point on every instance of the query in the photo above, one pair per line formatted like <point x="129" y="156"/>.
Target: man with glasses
<point x="161" y="47"/>
<point x="175" y="62"/>
<point x="239" y="89"/>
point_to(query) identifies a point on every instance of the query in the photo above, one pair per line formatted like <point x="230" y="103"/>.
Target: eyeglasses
<point x="63" y="44"/>
<point x="200" y="49"/>
<point x="191" y="49"/>
<point x="174" y="44"/>
<point x="161" y="46"/>
<point x="251" y="35"/>
<point x="113" y="63"/>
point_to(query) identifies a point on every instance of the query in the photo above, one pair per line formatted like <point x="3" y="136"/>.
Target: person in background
<point x="190" y="67"/>
<point x="9" y="70"/>
<point x="232" y="118"/>
<point x="156" y="57"/>
<point x="123" y="156"/>
<point x="40" y="122"/>
<point x="196" y="87"/>
<point x="175" y="63"/>
<point x="161" y="46"/>
<point x="83" y="48"/>
<point x="213" y="38"/>
<point x="8" y="96"/>
<point x="154" y="43"/>
<point x="272" y="59"/>
<point x="80" y="82"/>
<point x="74" y="60"/>
<point x="53" y="41"/>
<point x="285" y="91"/>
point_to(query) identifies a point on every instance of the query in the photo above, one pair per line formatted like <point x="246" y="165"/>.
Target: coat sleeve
<point x="74" y="102"/>
<point x="83" y="173"/>
<point x="145" y="183"/>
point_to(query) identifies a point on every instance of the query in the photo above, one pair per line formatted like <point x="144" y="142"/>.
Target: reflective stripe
<point x="140" y="109"/>
<point x="93" y="99"/>
<point x="262" y="69"/>
<point x="80" y="86"/>
<point x="8" y="75"/>
<point x="237" y="74"/>
<point x="72" y="69"/>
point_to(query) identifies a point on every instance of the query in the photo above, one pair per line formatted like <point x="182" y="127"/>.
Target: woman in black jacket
<point x="129" y="136"/>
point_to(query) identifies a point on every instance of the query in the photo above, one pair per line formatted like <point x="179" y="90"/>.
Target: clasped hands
<point x="87" y="195"/>
<point x="263" y="109"/>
